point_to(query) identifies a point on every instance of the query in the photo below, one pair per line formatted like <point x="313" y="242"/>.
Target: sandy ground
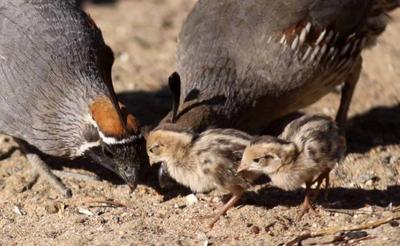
<point x="143" y="35"/>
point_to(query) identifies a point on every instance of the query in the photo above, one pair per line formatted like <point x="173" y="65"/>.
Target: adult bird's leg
<point x="41" y="168"/>
<point x="347" y="94"/>
<point x="234" y="199"/>
<point x="44" y="171"/>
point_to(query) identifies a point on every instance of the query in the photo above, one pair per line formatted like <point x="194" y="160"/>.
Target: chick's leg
<point x="347" y="95"/>
<point x="234" y="199"/>
<point x="307" y="202"/>
<point x="327" y="184"/>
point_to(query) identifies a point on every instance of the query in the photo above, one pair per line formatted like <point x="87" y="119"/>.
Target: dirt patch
<point x="143" y="36"/>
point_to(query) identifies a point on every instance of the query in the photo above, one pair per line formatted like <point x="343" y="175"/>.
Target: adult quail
<point x="244" y="64"/>
<point x="305" y="153"/>
<point x="56" y="92"/>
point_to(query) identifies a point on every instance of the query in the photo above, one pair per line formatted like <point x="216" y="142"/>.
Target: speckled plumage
<point x="199" y="161"/>
<point x="308" y="147"/>
<point x="202" y="161"/>
<point x="246" y="63"/>
<point x="305" y="153"/>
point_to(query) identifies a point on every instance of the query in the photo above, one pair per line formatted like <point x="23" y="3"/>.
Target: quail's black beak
<point x="129" y="175"/>
<point x="122" y="160"/>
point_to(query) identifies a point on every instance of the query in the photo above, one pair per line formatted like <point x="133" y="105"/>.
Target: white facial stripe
<point x="111" y="140"/>
<point x="86" y="146"/>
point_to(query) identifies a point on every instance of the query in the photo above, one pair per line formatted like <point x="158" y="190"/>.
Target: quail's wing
<point x="251" y="52"/>
<point x="51" y="60"/>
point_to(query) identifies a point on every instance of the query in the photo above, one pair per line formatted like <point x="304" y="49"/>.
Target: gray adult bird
<point x="56" y="92"/>
<point x="246" y="63"/>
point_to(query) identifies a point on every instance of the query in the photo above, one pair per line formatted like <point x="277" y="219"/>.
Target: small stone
<point x="191" y="200"/>
<point x="394" y="223"/>
<point x="19" y="211"/>
<point x="356" y="234"/>
<point x="116" y="219"/>
<point x="255" y="230"/>
<point x="369" y="183"/>
<point x="85" y="211"/>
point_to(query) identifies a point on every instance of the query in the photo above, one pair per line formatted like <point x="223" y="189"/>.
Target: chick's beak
<point x="242" y="167"/>
<point x="164" y="179"/>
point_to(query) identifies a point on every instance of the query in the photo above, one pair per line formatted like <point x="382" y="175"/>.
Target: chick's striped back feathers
<point x="317" y="137"/>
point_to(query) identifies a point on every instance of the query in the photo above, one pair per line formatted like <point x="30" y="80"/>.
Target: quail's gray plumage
<point x="305" y="153"/>
<point x="246" y="63"/>
<point x="56" y="91"/>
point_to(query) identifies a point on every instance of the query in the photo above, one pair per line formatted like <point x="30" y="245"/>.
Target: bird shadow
<point x="377" y="127"/>
<point x="338" y="198"/>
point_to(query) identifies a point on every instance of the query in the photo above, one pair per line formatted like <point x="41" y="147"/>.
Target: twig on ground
<point x="350" y="212"/>
<point x="335" y="230"/>
<point x="104" y="203"/>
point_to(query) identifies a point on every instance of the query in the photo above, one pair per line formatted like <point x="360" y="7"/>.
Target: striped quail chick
<point x="246" y="63"/>
<point x="203" y="161"/>
<point x="56" y="93"/>
<point x="306" y="152"/>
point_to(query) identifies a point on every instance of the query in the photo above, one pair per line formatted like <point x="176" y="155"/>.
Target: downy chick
<point x="203" y="161"/>
<point x="305" y="153"/>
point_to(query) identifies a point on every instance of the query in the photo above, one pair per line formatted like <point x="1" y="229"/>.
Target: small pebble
<point x="356" y="234"/>
<point x="394" y="223"/>
<point x="191" y="200"/>
<point x="116" y="219"/>
<point x="19" y="211"/>
<point x="85" y="211"/>
<point x="255" y="230"/>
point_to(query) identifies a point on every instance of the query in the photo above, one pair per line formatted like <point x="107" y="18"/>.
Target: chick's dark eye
<point x="269" y="157"/>
<point x="154" y="148"/>
<point x="257" y="160"/>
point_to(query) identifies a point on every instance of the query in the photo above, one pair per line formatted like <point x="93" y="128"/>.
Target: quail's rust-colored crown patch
<point x="113" y="122"/>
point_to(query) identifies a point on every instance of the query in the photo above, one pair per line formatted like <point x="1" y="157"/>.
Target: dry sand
<point x="143" y="36"/>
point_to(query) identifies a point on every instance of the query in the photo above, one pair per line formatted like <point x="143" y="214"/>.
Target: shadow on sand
<point x="379" y="126"/>
<point x="338" y="198"/>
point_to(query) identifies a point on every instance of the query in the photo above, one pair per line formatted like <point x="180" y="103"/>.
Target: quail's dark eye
<point x="154" y="148"/>
<point x="257" y="160"/>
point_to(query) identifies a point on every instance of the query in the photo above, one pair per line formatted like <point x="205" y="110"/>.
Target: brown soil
<point x="143" y="35"/>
